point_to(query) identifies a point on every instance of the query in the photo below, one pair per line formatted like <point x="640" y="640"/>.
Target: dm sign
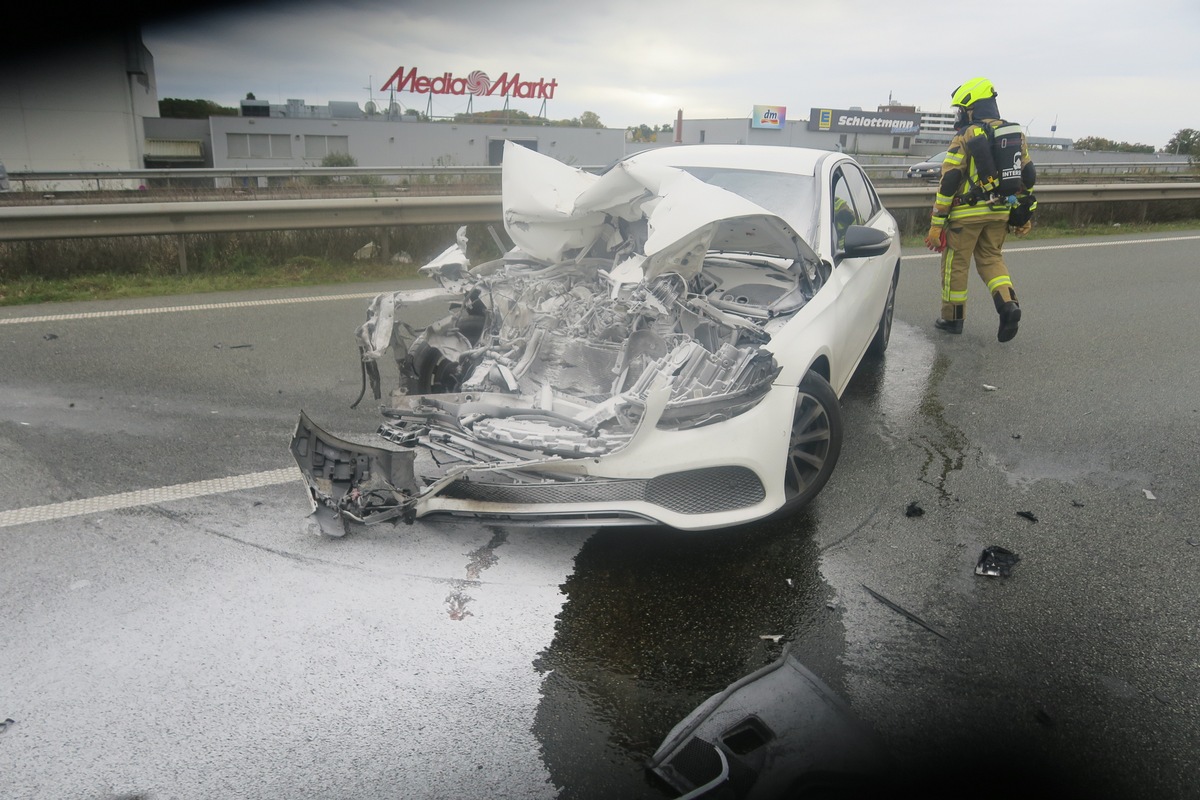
<point x="770" y="117"/>
<point x="836" y="120"/>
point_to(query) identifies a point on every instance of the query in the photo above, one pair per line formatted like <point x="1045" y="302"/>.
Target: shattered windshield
<point x="784" y="194"/>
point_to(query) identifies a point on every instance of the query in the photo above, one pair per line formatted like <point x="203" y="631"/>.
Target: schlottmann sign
<point x="837" y="120"/>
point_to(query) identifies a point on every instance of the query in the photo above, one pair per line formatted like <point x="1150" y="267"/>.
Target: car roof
<point x="768" y="158"/>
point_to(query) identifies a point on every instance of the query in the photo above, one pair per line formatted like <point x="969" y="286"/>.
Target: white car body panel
<point x="634" y="359"/>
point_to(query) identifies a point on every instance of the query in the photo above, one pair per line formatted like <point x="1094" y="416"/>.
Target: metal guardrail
<point x="227" y="216"/>
<point x="102" y="180"/>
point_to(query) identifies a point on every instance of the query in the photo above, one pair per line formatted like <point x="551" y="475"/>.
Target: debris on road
<point x="1029" y="515"/>
<point x="1077" y="504"/>
<point x="987" y="387"/>
<point x="1149" y="494"/>
<point x="1043" y="718"/>
<point x="49" y="337"/>
<point x="904" y="612"/>
<point x="771" y="637"/>
<point x="1193" y="542"/>
<point x="913" y="510"/>
<point x="1016" y="436"/>
<point x="996" y="561"/>
<point x="8" y="723"/>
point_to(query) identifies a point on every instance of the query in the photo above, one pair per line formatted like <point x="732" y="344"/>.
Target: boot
<point x="948" y="325"/>
<point x="1010" y="315"/>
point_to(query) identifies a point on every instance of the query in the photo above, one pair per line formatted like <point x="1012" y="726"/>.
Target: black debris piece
<point x="8" y="723"/>
<point x="1043" y="718"/>
<point x="241" y="347"/>
<point x="1193" y="542"/>
<point x="913" y="510"/>
<point x="1016" y="436"/>
<point x="50" y="336"/>
<point x="904" y="612"/>
<point x="1077" y="504"/>
<point x="1029" y="515"/>
<point x="1162" y="698"/>
<point x="996" y="561"/>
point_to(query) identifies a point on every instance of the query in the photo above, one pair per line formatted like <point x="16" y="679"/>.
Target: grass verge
<point x="307" y="271"/>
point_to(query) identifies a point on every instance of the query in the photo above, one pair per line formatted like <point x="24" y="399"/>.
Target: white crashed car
<point x="665" y="344"/>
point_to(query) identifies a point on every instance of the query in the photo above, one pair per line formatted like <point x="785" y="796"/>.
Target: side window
<point x="844" y="214"/>
<point x="865" y="200"/>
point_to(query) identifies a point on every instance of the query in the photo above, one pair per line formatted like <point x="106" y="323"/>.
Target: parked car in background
<point x="666" y="343"/>
<point x="932" y="168"/>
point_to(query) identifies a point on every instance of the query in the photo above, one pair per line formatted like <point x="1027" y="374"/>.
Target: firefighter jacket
<point x="958" y="197"/>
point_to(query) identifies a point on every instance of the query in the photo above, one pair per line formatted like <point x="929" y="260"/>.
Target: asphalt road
<point x="167" y="630"/>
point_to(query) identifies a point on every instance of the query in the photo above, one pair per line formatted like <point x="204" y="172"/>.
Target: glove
<point x="935" y="240"/>
<point x="1021" y="230"/>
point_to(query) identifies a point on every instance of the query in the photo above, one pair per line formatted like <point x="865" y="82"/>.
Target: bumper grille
<point x="697" y="491"/>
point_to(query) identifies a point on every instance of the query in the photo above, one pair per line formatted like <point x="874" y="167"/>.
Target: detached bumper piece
<point x="778" y="732"/>
<point x="350" y="482"/>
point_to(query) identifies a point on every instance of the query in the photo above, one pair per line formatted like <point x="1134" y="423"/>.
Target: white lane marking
<point x="1031" y="248"/>
<point x="148" y="497"/>
<point x="132" y="312"/>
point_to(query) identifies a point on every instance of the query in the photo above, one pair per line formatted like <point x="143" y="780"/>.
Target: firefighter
<point x="986" y="179"/>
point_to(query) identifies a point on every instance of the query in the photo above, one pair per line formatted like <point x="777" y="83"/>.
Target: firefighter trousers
<point x="983" y="240"/>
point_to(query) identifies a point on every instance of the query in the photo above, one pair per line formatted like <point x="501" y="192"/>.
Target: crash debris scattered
<point x="996" y="561"/>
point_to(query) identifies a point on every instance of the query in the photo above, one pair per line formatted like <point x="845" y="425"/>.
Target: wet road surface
<point x="204" y="646"/>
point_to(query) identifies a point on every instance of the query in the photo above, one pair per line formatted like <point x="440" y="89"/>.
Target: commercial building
<point x="98" y="110"/>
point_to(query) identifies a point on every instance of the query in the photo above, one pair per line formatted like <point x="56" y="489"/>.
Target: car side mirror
<point x="862" y="241"/>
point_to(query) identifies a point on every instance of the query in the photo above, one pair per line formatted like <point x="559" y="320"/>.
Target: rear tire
<point x="814" y="445"/>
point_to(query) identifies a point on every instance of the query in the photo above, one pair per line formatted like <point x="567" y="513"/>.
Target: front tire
<point x="814" y="445"/>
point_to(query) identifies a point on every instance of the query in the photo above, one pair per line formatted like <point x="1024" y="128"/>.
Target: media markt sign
<point x="477" y="83"/>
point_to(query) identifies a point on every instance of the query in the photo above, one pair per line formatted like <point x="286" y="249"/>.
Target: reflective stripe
<point x="996" y="283"/>
<point x="958" y="297"/>
<point x="981" y="210"/>
<point x="942" y="199"/>
<point x="947" y="259"/>
<point x="954" y="159"/>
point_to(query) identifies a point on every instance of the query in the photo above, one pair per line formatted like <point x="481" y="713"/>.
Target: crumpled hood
<point x="668" y="218"/>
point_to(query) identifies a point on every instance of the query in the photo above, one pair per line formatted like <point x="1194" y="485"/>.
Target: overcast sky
<point x="1127" y="71"/>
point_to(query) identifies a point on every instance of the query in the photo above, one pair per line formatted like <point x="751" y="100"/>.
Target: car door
<point x="862" y="281"/>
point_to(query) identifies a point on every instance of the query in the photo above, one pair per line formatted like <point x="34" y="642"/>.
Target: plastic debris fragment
<point x="913" y="510"/>
<point x="996" y="561"/>
<point x="6" y="724"/>
<point x="1029" y="515"/>
<point x="987" y="387"/>
<point x="1149" y="494"/>
<point x="772" y="637"/>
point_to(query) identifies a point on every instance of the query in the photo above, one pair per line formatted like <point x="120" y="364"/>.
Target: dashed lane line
<point x="148" y="497"/>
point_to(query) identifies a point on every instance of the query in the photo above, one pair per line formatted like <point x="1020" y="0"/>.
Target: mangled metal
<point x="641" y="299"/>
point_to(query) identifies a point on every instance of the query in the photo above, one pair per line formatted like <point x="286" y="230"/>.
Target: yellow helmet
<point x="972" y="91"/>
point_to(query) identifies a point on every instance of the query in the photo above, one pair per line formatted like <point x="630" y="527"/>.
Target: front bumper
<point x="690" y="480"/>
